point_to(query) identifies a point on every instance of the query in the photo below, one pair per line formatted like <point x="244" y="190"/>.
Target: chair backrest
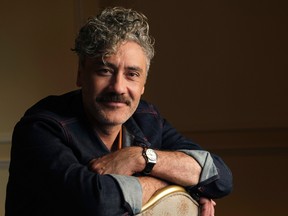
<point x="172" y="200"/>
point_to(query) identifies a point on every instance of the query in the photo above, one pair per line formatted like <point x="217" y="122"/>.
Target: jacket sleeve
<point x="215" y="179"/>
<point x="212" y="183"/>
<point x="46" y="172"/>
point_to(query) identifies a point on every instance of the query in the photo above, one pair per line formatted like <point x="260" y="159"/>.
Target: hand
<point x="126" y="161"/>
<point x="207" y="207"/>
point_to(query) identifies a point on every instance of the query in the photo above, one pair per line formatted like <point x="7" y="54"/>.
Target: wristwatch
<point x="151" y="159"/>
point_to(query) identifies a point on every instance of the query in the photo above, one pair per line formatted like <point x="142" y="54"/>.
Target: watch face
<point x="151" y="154"/>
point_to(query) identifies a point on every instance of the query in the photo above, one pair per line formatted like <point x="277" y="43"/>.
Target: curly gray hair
<point x="102" y="35"/>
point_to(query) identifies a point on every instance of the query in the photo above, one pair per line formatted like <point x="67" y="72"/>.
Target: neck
<point x="108" y="134"/>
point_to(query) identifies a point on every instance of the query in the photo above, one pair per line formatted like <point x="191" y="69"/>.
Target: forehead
<point x="128" y="50"/>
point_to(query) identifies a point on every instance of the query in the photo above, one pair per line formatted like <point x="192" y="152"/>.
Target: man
<point x="101" y="150"/>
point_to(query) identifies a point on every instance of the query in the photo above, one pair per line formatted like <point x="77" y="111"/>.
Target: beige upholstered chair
<point x="170" y="201"/>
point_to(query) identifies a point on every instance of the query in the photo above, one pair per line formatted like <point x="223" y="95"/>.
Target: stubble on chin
<point x="111" y="116"/>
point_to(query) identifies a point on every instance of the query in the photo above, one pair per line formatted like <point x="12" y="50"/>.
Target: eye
<point x="104" y="72"/>
<point x="133" y="74"/>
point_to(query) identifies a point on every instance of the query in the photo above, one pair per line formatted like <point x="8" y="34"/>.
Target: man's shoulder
<point x="56" y="105"/>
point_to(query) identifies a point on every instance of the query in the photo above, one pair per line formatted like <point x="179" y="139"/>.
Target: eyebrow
<point x="134" y="68"/>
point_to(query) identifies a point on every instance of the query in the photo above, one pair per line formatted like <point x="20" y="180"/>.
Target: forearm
<point x="172" y="166"/>
<point x="149" y="186"/>
<point x="177" y="167"/>
<point x="215" y="179"/>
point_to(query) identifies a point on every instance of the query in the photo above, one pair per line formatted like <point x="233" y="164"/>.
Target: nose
<point x="117" y="84"/>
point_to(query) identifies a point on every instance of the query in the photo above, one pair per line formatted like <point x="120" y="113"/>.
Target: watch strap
<point x="149" y="166"/>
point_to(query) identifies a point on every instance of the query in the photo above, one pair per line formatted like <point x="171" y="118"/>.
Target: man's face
<point x="112" y="90"/>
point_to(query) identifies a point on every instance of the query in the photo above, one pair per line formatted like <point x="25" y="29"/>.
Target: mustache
<point x="112" y="97"/>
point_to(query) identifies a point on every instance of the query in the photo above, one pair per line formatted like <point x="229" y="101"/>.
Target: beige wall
<point x="219" y="75"/>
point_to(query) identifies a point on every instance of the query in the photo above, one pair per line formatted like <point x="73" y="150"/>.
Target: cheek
<point x="97" y="86"/>
<point x="100" y="84"/>
<point x="142" y="87"/>
<point x="89" y="86"/>
<point x="138" y="91"/>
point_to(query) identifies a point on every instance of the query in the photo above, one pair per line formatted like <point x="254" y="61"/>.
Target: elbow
<point x="223" y="186"/>
<point x="217" y="186"/>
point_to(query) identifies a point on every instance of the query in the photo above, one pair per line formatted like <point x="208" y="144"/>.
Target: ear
<point x="143" y="90"/>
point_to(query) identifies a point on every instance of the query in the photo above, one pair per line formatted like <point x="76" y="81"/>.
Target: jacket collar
<point x="134" y="134"/>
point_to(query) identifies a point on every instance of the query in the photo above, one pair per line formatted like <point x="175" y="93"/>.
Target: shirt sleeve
<point x="209" y="170"/>
<point x="132" y="191"/>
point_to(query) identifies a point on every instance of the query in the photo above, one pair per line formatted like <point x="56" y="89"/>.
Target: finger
<point x="213" y="202"/>
<point x="95" y="165"/>
<point x="102" y="170"/>
<point x="204" y="200"/>
<point x="207" y="207"/>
